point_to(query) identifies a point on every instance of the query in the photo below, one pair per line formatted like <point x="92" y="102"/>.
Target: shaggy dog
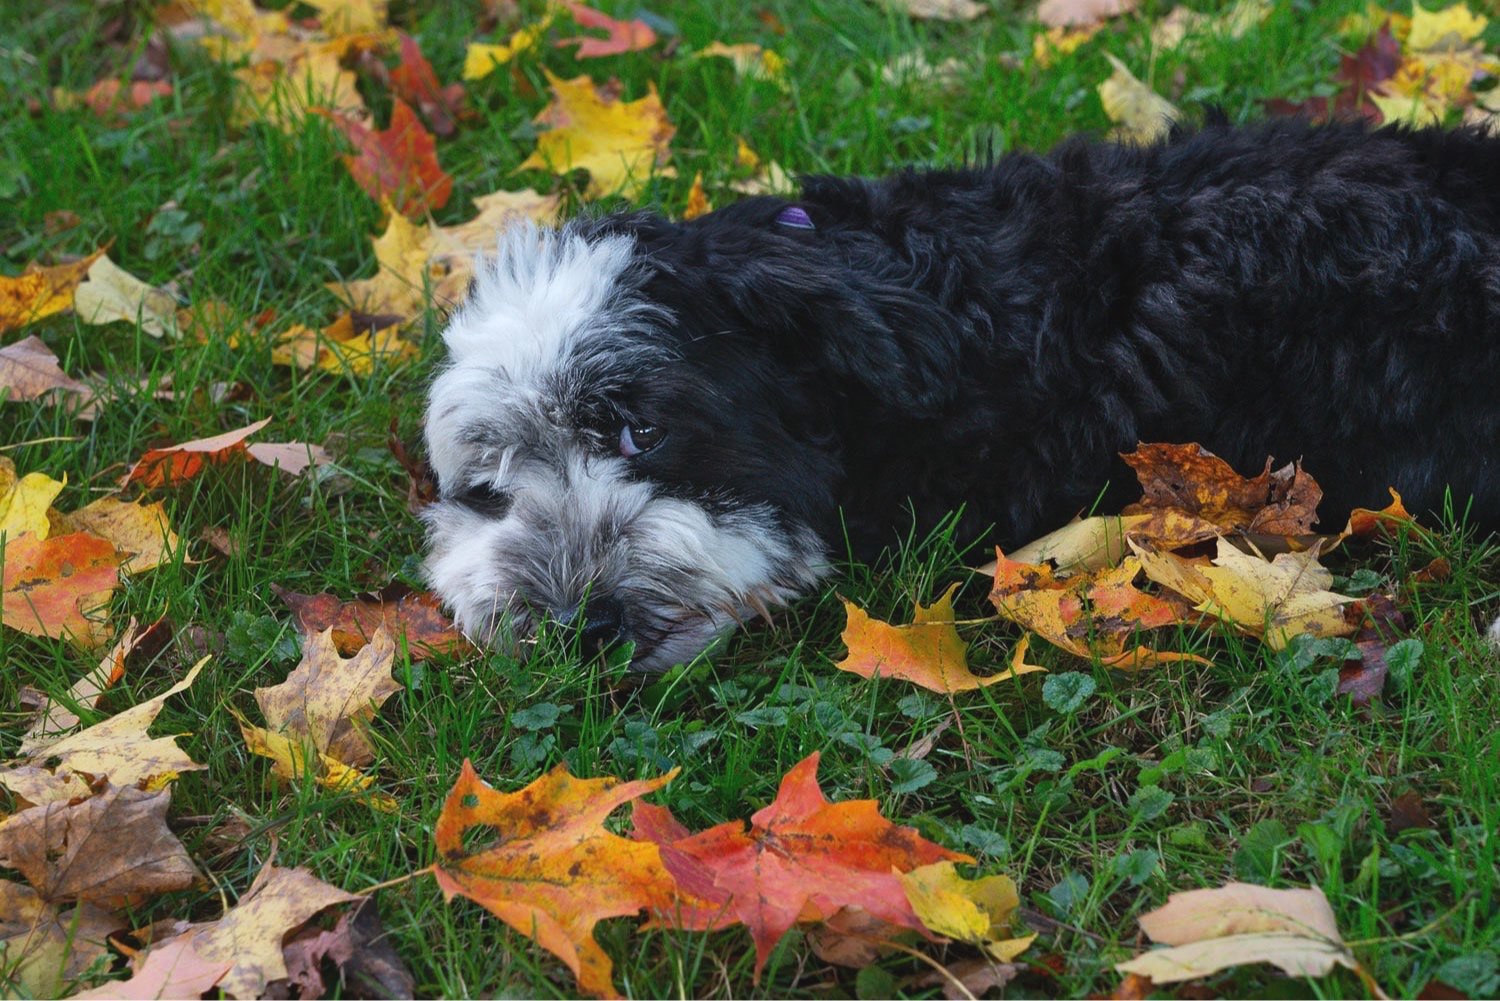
<point x="656" y="429"/>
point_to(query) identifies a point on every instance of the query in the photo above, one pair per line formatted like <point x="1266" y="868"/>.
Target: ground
<point x="1174" y="778"/>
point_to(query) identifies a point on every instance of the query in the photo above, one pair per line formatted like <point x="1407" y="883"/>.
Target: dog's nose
<point x="603" y="623"/>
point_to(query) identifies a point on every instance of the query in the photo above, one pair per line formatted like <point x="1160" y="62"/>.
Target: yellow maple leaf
<point x="1141" y="115"/>
<point x="451" y="250"/>
<point x="977" y="911"/>
<point x="24" y="501"/>
<point x="401" y="257"/>
<point x="281" y="93"/>
<point x="40" y="291"/>
<point x="620" y="143"/>
<point x="350" y="17"/>
<point x="111" y="293"/>
<point x="749" y="60"/>
<point x="481" y="58"/>
<point x="1404" y="109"/>
<point x="139" y="531"/>
<point x="697" y="201"/>
<point x="1450" y="28"/>
<point x="1050" y="45"/>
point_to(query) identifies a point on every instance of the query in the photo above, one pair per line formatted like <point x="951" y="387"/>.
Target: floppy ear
<point x="868" y="335"/>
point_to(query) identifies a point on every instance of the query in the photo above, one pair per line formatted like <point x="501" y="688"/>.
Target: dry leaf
<point x="481" y="58"/>
<point x="929" y="652"/>
<point x="328" y="700"/>
<point x="111" y="293"/>
<point x="1211" y="930"/>
<point x="620" y="143"/>
<point x="417" y="617"/>
<point x="414" y="82"/>
<point x="939" y="10"/>
<point x="1190" y="479"/>
<point x="1141" y="116"/>
<point x="977" y="911"/>
<point x="176" y="464"/>
<point x="398" y="163"/>
<point x="40" y="292"/>
<point x="1276" y="600"/>
<point x="283" y="92"/>
<point x="29" y="371"/>
<point x="1081" y="545"/>
<point x="54" y="719"/>
<point x="58" y="587"/>
<point x="697" y="201"/>
<point x="1076" y="13"/>
<point x="44" y="949"/>
<point x="174" y="969"/>
<point x="750" y="61"/>
<point x="24" y="501"/>
<point x="555" y="871"/>
<point x="138" y="531"/>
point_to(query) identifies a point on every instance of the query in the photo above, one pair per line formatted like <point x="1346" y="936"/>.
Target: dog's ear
<point x="866" y="333"/>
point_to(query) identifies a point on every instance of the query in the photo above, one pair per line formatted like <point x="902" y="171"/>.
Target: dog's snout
<point x="603" y="622"/>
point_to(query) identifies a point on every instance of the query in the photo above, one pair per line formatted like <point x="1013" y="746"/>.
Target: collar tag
<point x="795" y="217"/>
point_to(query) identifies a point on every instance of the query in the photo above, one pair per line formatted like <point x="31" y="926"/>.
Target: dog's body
<point x="680" y="423"/>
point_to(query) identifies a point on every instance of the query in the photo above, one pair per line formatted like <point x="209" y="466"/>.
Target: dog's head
<point x="637" y="428"/>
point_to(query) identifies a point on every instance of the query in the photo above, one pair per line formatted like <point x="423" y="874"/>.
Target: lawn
<point x="1180" y="777"/>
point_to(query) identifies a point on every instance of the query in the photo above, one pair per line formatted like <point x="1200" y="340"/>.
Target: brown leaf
<point x="970" y="978"/>
<point x="416" y="615"/>
<point x="176" y="464"/>
<point x="174" y="969"/>
<point x="399" y="163"/>
<point x="1408" y="811"/>
<point x="44" y="948"/>
<point x="1132" y="987"/>
<point x="1192" y="479"/>
<point x="359" y="947"/>
<point x="1380" y="625"/>
<point x="55" y="719"/>
<point x="41" y="291"/>
<point x="58" y="587"/>
<point x="328" y="700"/>
<point x="1079" y="13"/>
<point x="29" y="371"/>
<point x="139" y="532"/>
<point x="110" y="100"/>
<point x="110" y="849"/>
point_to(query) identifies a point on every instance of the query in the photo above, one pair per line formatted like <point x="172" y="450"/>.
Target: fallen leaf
<point x="1075" y="13"/>
<point x="415" y="615"/>
<point x="977" y="911"/>
<point x="138" y="531"/>
<point x="697" y="203"/>
<point x="1407" y="812"/>
<point x="621" y="36"/>
<point x="39" y="292"/>
<point x="1185" y="27"/>
<point x="174" y="969"/>
<point x="751" y="61"/>
<point x="1389" y="521"/>
<point x="1452" y="27"/>
<point x="295" y="758"/>
<point x="174" y="464"/>
<point x="250" y="933"/>
<point x="291" y="457"/>
<point x="939" y="10"/>
<point x="117" y="749"/>
<point x="1048" y="46"/>
<point x="112" y="294"/>
<point x="772" y="180"/>
<point x="414" y="82"/>
<point x="58" y="587"/>
<point x="556" y="871"/>
<point x="44" y="948"/>
<point x="1081" y="545"/>
<point x="1380" y="624"/>
<point x="1191" y="479"/>
<point x="967" y="979"/>
<point x="29" y="371"/>
<point x="54" y="719"/>
<point x="620" y="143"/>
<point x="350" y="17"/>
<point x="399" y="163"/>
<point x="1360" y="78"/>
<point x="109" y="849"/>
<point x="329" y="700"/>
<point x="1141" y="116"/>
<point x="1274" y="600"/>
<point x="110" y="100"/>
<point x="24" y="501"/>
<point x="1211" y="930"/>
<point x="929" y="652"/>
<point x="803" y="858"/>
<point x="283" y="92"/>
<point x="481" y="58"/>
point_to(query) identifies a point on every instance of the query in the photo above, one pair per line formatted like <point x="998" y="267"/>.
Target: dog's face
<point x="618" y="450"/>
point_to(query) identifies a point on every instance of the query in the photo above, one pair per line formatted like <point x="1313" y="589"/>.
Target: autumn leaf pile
<point x="98" y="845"/>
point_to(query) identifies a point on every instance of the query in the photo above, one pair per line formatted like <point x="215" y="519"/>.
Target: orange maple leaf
<point x="555" y="872"/>
<point x="399" y="163"/>
<point x="802" y="859"/>
<point x="417" y="615"/>
<point x="929" y="652"/>
<point x="164" y="467"/>
<point x="414" y="81"/>
<point x="41" y="291"/>
<point x="51" y="587"/>
<point x="623" y="36"/>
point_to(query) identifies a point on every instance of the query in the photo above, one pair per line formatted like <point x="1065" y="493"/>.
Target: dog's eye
<point x="635" y="440"/>
<point x="486" y="498"/>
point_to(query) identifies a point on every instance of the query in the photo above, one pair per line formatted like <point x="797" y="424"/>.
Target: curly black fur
<point x="993" y="338"/>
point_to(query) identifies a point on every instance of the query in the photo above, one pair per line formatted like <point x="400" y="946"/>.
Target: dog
<point x="653" y="430"/>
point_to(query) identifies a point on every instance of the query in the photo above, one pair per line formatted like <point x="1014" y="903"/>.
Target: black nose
<point x="603" y="623"/>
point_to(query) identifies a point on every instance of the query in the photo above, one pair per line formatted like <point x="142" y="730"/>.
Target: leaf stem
<point x="395" y="882"/>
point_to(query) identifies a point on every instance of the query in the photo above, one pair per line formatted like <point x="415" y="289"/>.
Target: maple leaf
<point x="110" y="100"/>
<point x="282" y="93"/>
<point x="396" y="289"/>
<point x="399" y="163"/>
<point x="112" y="294"/>
<point x="481" y="58"/>
<point x="56" y="587"/>
<point x="342" y="347"/>
<point x="453" y="250"/>
<point x="414" y="82"/>
<point x="697" y="201"/>
<point x="803" y="858"/>
<point x="350" y="17"/>
<point x="1141" y="115"/>
<point x="329" y="700"/>
<point x="40" y="292"/>
<point x="174" y="969"/>
<point x="139" y="532"/>
<point x="1452" y="27"/>
<point x="1074" y="13"/>
<point x="622" y="36"/>
<point x="24" y="501"/>
<point x="929" y="652"/>
<point x="1379" y="625"/>
<point x="109" y="849"/>
<point x="1360" y="76"/>
<point x="749" y="60"/>
<point x="1185" y="27"/>
<point x="938" y="10"/>
<point x="620" y="143"/>
<point x="1192" y="479"/>
<point x="176" y="464"/>
<point x="556" y="872"/>
<point x="1390" y="520"/>
<point x="1081" y="545"/>
<point x="416" y="615"/>
<point x="976" y="911"/>
<point x="1210" y="930"/>
<point x="29" y="371"/>
<point x="1047" y="46"/>
<point x="45" y="948"/>
<point x="117" y="749"/>
<point x="55" y="719"/>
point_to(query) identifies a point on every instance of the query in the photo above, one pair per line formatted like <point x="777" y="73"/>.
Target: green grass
<point x="1177" y="778"/>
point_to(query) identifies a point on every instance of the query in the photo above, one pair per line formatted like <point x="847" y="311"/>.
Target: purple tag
<point x="795" y="217"/>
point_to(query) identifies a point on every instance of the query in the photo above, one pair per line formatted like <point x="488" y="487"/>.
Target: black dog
<point x="677" y="423"/>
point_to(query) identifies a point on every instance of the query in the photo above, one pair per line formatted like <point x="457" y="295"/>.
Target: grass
<point x="1154" y="782"/>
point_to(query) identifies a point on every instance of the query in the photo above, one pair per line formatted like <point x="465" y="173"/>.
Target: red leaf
<point x="624" y="36"/>
<point x="1363" y="679"/>
<point x="1358" y="75"/>
<point x="414" y="82"/>
<point x="399" y="163"/>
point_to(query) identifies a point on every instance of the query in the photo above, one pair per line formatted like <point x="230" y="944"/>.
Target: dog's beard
<point x="682" y="575"/>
